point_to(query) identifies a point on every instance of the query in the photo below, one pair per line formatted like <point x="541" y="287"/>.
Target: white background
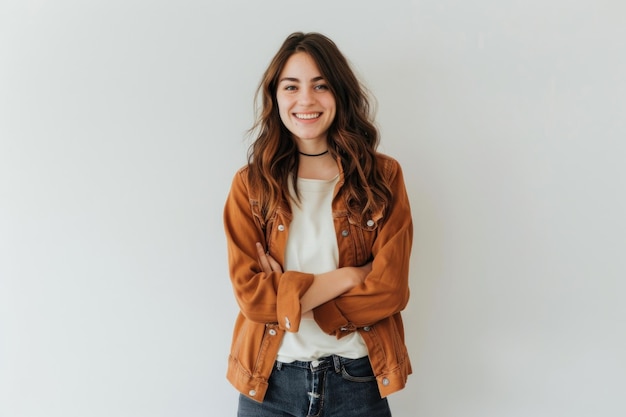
<point x="123" y="122"/>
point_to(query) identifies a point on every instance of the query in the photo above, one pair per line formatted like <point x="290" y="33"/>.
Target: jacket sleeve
<point x="262" y="297"/>
<point x="385" y="290"/>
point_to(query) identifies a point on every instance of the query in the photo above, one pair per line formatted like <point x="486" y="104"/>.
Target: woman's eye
<point x="290" y="88"/>
<point x="322" y="87"/>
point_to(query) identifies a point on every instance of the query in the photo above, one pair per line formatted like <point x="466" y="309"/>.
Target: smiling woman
<point x="319" y="235"/>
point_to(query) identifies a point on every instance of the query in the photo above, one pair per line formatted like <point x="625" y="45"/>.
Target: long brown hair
<point x="273" y="156"/>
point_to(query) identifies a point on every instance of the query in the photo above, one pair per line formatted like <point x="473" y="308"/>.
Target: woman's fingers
<point x="268" y="264"/>
<point x="263" y="259"/>
<point x="274" y="264"/>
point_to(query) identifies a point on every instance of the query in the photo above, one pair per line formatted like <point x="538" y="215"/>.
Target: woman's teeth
<point x="307" y="116"/>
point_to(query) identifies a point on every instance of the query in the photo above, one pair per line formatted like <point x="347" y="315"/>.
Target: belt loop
<point x="279" y="365"/>
<point x="337" y="363"/>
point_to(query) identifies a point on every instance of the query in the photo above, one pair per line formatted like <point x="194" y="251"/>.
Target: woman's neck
<point x="322" y="167"/>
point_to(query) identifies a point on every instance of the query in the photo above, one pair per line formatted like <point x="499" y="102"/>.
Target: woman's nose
<point x="306" y="96"/>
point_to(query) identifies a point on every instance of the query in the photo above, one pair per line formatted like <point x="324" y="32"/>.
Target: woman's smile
<point x="307" y="116"/>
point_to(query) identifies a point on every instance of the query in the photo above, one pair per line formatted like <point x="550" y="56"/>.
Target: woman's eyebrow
<point x="296" y="80"/>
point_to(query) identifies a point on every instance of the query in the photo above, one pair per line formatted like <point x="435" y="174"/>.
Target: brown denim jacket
<point x="270" y="303"/>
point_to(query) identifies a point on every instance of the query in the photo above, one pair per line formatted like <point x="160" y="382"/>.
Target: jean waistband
<point x="321" y="364"/>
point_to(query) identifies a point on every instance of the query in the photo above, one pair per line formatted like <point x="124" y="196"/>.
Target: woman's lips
<point x="307" y="116"/>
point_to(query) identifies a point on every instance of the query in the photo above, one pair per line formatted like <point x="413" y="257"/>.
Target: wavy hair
<point x="352" y="136"/>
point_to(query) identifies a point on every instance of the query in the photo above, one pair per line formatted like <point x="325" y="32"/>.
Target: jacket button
<point x="272" y="332"/>
<point x="385" y="381"/>
<point x="367" y="328"/>
<point x="281" y="227"/>
<point x="370" y="223"/>
<point x="287" y="323"/>
<point x="252" y="393"/>
<point x="345" y="233"/>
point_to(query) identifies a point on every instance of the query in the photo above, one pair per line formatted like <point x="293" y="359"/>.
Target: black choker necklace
<point x="313" y="154"/>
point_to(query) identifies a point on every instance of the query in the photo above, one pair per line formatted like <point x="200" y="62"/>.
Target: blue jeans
<point x="329" y="387"/>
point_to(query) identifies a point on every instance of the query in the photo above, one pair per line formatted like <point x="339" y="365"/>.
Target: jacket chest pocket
<point x="363" y="233"/>
<point x="276" y="232"/>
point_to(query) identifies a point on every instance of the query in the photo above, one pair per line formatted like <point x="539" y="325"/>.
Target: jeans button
<point x="315" y="364"/>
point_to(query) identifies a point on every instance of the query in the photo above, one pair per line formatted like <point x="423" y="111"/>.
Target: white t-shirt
<point x="312" y="247"/>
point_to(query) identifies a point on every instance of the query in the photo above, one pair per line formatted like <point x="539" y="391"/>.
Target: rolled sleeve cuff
<point x="291" y="288"/>
<point x="332" y="321"/>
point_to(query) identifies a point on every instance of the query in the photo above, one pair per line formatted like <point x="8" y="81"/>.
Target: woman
<point x="319" y="235"/>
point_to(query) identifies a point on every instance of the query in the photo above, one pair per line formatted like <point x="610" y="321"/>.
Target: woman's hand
<point x="268" y="264"/>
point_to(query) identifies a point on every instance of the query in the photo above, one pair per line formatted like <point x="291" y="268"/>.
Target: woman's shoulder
<point x="389" y="165"/>
<point x="242" y="174"/>
<point x="243" y="171"/>
<point x="386" y="159"/>
<point x="240" y="179"/>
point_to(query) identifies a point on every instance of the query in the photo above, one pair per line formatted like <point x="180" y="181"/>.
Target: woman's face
<point x="305" y="103"/>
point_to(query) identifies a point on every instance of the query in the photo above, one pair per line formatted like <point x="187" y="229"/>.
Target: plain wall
<point x="123" y="122"/>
